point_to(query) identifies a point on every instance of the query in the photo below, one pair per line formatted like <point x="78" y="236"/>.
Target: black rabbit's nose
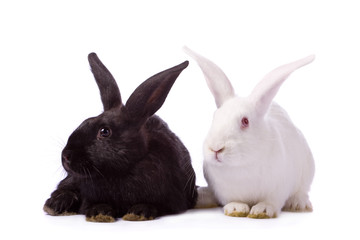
<point x="66" y="156"/>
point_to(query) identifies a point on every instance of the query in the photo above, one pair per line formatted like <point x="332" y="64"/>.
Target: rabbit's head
<point x="111" y="143"/>
<point x="239" y="133"/>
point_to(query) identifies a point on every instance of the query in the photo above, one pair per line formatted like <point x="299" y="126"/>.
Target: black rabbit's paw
<point x="101" y="218"/>
<point x="135" y="217"/>
<point x="141" y="212"/>
<point x="100" y="213"/>
<point x="62" y="203"/>
<point x="53" y="212"/>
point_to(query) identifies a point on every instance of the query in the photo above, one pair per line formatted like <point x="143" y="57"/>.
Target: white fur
<point x="267" y="166"/>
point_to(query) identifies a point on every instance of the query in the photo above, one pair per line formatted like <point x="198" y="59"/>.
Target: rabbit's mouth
<point x="217" y="157"/>
<point x="218" y="154"/>
<point x="214" y="155"/>
<point x="70" y="169"/>
<point x="66" y="166"/>
<point x="74" y="169"/>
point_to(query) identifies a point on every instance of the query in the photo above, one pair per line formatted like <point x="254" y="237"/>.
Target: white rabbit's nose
<point x="217" y="149"/>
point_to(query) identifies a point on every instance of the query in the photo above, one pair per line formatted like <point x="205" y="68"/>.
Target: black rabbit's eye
<point x="104" y="132"/>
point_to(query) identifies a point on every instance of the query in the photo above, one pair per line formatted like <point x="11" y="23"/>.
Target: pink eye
<point x="244" y="122"/>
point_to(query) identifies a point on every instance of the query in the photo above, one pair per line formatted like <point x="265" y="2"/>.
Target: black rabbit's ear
<point x="151" y="94"/>
<point x="109" y="91"/>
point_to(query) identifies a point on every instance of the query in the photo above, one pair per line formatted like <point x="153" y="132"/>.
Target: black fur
<point x="126" y="160"/>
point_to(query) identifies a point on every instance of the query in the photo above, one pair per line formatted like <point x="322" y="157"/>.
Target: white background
<point x="47" y="90"/>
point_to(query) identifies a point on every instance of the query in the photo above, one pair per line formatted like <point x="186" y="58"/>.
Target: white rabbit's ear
<point x="216" y="79"/>
<point x="265" y="90"/>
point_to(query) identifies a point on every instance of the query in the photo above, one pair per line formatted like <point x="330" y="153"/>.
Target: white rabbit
<point x="256" y="162"/>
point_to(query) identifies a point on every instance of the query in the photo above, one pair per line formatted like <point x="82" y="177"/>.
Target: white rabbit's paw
<point x="235" y="209"/>
<point x="262" y="210"/>
<point x="298" y="203"/>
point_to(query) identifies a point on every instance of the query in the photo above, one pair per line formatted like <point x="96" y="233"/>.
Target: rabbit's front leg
<point x="264" y="210"/>
<point x="65" y="200"/>
<point x="236" y="209"/>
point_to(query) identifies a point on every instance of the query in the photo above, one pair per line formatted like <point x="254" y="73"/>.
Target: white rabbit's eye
<point x="104" y="132"/>
<point x="244" y="122"/>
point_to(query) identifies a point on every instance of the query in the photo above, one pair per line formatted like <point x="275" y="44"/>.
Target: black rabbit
<point x="125" y="162"/>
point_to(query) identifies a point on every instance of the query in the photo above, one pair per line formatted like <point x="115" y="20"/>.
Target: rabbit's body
<point x="116" y="189"/>
<point x="264" y="172"/>
<point x="256" y="162"/>
<point x="126" y="162"/>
